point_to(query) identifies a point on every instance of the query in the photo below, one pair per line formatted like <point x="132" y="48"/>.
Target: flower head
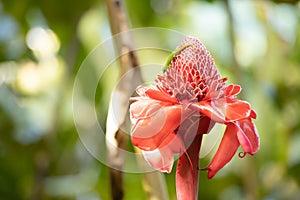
<point x="192" y="75"/>
<point x="187" y="100"/>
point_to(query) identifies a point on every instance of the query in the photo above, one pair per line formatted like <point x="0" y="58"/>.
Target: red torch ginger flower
<point x="187" y="100"/>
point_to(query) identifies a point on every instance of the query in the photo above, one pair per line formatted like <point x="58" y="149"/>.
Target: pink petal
<point x="248" y="136"/>
<point x="141" y="90"/>
<point x="156" y="126"/>
<point x="244" y="141"/>
<point x="209" y="109"/>
<point x="225" y="152"/>
<point x="161" y="160"/>
<point x="144" y="107"/>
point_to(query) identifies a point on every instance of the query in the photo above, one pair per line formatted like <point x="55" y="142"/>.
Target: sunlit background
<point x="42" y="44"/>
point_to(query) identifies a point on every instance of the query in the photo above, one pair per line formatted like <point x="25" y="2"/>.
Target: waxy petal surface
<point x="248" y="136"/>
<point x="225" y="152"/>
<point x="161" y="160"/>
<point x="155" y="127"/>
<point x="161" y="96"/>
<point x="224" y="110"/>
<point x="232" y="90"/>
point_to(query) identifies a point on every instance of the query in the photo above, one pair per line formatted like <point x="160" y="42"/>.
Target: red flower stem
<point x="187" y="171"/>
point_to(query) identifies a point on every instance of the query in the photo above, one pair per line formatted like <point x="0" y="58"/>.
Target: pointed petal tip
<point x="253" y="114"/>
<point x="225" y="152"/>
<point x="210" y="173"/>
<point x="232" y="90"/>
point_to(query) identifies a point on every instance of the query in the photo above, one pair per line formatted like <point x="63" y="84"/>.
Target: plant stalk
<point x="187" y="171"/>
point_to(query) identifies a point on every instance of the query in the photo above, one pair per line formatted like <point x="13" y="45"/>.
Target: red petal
<point x="155" y="94"/>
<point x="209" y="109"/>
<point x="173" y="142"/>
<point x="156" y="126"/>
<point x="253" y="114"/>
<point x="224" y="110"/>
<point x="237" y="110"/>
<point x="232" y="90"/>
<point x="161" y="96"/>
<point x="225" y="152"/>
<point x="248" y="136"/>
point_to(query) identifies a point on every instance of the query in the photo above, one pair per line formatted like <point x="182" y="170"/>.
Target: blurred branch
<point x="249" y="172"/>
<point x="236" y="68"/>
<point x="116" y="138"/>
<point x="114" y="134"/>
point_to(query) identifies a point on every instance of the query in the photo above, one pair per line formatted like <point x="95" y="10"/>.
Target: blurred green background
<point x="43" y="42"/>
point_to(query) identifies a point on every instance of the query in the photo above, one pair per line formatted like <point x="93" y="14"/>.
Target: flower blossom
<point x="187" y="100"/>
